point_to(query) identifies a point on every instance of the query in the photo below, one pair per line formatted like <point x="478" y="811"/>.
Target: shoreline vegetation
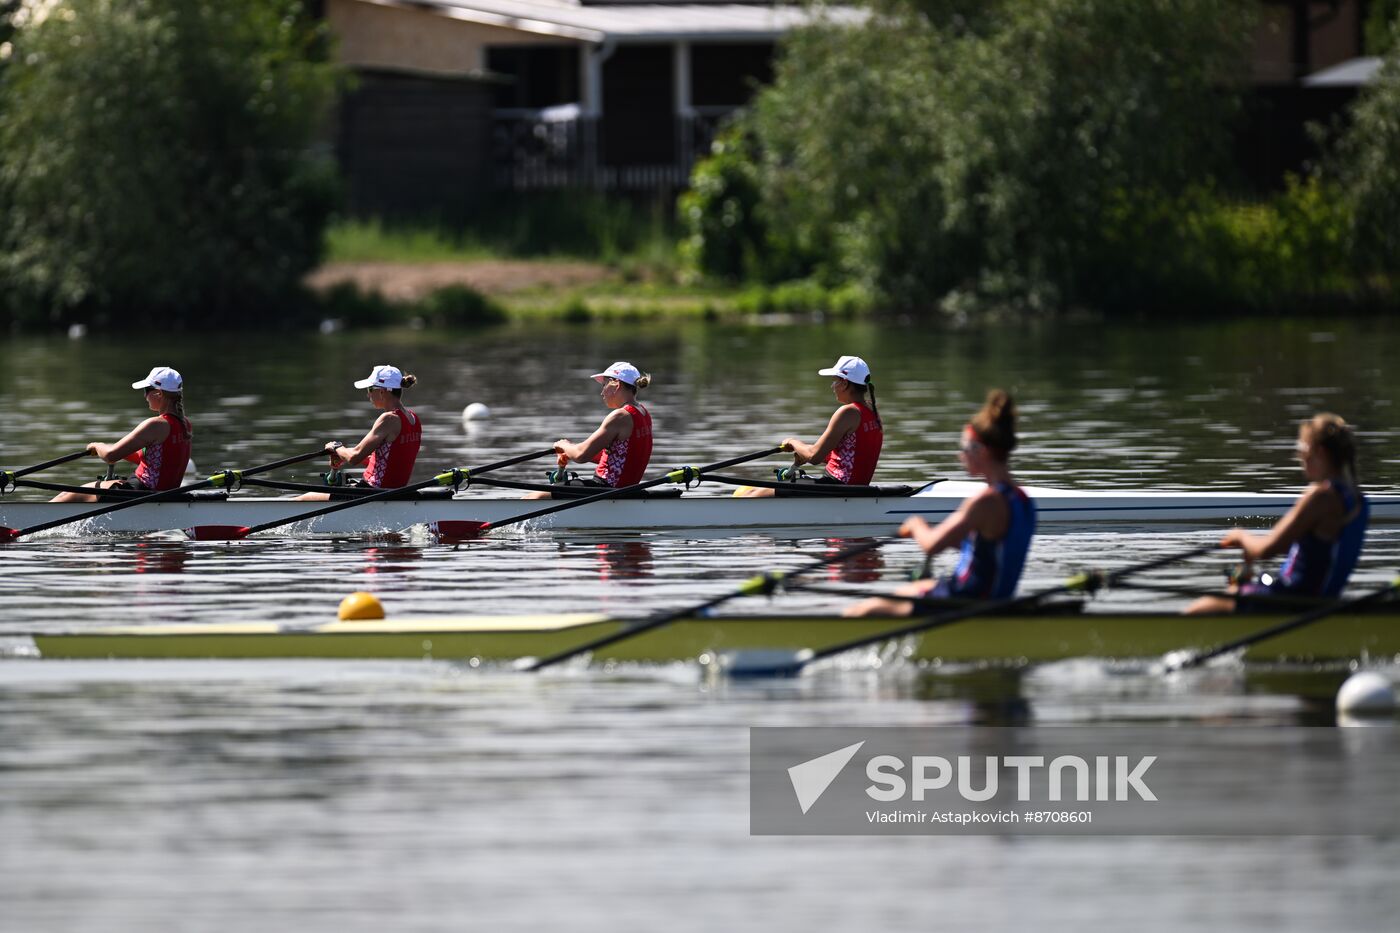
<point x="960" y="160"/>
<point x="384" y="275"/>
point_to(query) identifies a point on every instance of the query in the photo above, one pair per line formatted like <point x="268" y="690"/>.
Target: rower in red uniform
<point x="390" y="449"/>
<point x="621" y="445"/>
<point x="850" y="445"/>
<point x="159" y="446"/>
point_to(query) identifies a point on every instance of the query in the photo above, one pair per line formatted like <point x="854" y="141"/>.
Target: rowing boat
<point x="1050" y="634"/>
<point x="876" y="507"/>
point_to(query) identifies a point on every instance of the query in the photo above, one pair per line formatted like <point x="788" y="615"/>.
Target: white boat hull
<point x="933" y="502"/>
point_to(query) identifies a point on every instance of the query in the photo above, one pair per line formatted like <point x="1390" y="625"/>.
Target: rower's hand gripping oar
<point x="1079" y="583"/>
<point x="230" y="478"/>
<point x="454" y="477"/>
<point x="8" y="477"/>
<point x="469" y="529"/>
<point x="760" y="585"/>
<point x="1180" y="661"/>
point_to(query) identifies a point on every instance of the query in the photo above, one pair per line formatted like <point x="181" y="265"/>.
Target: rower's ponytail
<point x="643" y="381"/>
<point x="874" y="409"/>
<point x="995" y="424"/>
<point x="409" y="381"/>
<point x="177" y="408"/>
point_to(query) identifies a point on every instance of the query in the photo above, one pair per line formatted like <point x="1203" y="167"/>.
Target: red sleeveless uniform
<point x="162" y="466"/>
<point x="391" y="464"/>
<point x="853" y="461"/>
<point x="626" y="459"/>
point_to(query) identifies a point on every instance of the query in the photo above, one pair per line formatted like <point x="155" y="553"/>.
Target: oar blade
<point x="449" y="531"/>
<point x="218" y="532"/>
<point x="8" y="534"/>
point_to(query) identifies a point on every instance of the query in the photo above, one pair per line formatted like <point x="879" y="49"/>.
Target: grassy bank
<point x="622" y="262"/>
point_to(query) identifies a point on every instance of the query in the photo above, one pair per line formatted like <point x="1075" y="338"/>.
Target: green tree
<point x="1379" y="38"/>
<point x="1368" y="167"/>
<point x="947" y="150"/>
<point x="159" y="161"/>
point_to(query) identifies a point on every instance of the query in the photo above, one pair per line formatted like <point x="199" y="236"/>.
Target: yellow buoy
<point x="360" y="606"/>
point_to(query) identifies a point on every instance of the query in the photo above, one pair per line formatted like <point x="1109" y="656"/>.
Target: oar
<point x="453" y="477"/>
<point x="755" y="586"/>
<point x="226" y="477"/>
<point x="1180" y="661"/>
<point x="1083" y="582"/>
<point x="8" y="477"/>
<point x="468" y="529"/>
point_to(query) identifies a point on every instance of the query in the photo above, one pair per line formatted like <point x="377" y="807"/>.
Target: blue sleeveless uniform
<point x="1315" y="567"/>
<point x="991" y="569"/>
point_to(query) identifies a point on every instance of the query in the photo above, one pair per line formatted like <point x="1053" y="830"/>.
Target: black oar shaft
<point x="442" y="479"/>
<point x="15" y="474"/>
<point x="214" y="480"/>
<point x="1077" y="583"/>
<point x="1282" y="628"/>
<point x="675" y="476"/>
<point x="756" y="585"/>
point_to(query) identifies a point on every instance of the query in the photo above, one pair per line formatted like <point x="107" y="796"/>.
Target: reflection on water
<point x="623" y="560"/>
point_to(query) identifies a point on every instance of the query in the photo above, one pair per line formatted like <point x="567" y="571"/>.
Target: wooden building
<point x="455" y="98"/>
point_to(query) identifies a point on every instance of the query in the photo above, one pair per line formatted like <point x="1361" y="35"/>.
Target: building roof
<point x="637" y="22"/>
<point x="1350" y="73"/>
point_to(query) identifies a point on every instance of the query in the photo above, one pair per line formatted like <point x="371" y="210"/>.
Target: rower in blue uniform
<point x="994" y="526"/>
<point x="1323" y="532"/>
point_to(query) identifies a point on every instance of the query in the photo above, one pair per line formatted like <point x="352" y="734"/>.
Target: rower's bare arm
<point x="151" y="431"/>
<point x="386" y="428"/>
<point x="947" y="533"/>
<point x="843" y="421"/>
<point x="1310" y="511"/>
<point x="615" y="426"/>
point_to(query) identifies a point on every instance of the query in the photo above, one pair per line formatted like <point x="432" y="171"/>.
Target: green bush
<point x="459" y="306"/>
<point x="724" y="235"/>
<point x="953" y="152"/>
<point x="1367" y="166"/>
<point x="158" y="161"/>
<point x="1202" y="251"/>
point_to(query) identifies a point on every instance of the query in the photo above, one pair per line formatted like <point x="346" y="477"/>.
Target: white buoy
<point x="476" y="412"/>
<point x="77" y="331"/>
<point x="1366" y="692"/>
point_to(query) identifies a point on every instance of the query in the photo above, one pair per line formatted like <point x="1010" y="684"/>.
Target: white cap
<point x="163" y="378"/>
<point x="621" y="371"/>
<point x="383" y="376"/>
<point x="850" y="368"/>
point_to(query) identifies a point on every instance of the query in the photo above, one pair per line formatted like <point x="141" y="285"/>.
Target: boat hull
<point x="933" y="502"/>
<point x="1018" y="639"/>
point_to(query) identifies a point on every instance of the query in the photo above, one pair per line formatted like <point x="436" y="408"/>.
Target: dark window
<point x="540" y="76"/>
<point x="725" y="75"/>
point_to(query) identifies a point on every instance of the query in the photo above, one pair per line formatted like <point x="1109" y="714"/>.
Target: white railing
<point x="559" y="148"/>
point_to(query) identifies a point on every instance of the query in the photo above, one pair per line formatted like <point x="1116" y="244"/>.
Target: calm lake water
<point x="370" y="796"/>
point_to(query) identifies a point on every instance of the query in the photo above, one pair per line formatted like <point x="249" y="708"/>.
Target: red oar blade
<point x="458" y="531"/>
<point x="8" y="534"/>
<point x="218" y="532"/>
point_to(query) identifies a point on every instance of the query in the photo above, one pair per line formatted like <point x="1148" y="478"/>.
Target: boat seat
<point x="579" y="492"/>
<point x="197" y="495"/>
<point x="433" y="493"/>
<point x="800" y="490"/>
